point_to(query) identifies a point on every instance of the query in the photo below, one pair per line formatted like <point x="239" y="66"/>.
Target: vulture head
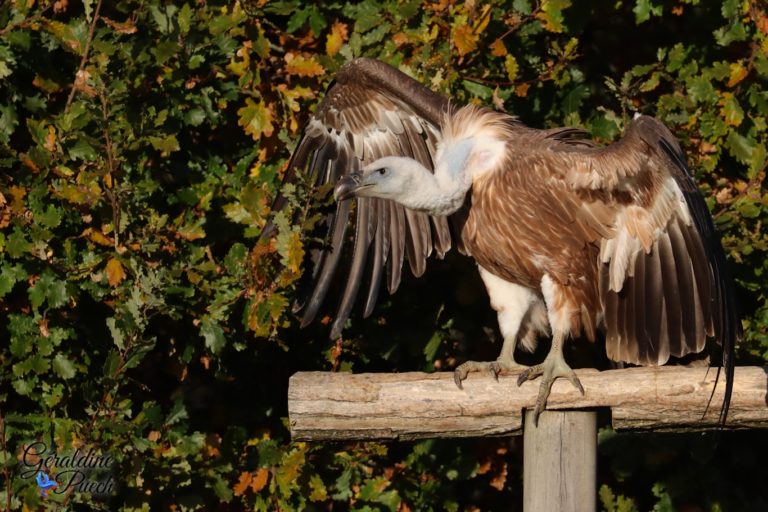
<point x="391" y="177"/>
<point x="407" y="182"/>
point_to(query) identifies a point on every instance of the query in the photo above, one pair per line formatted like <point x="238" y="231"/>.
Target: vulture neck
<point x="443" y="192"/>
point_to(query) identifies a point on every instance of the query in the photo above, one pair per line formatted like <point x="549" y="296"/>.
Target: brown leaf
<point x="498" y="49"/>
<point x="43" y="325"/>
<point x="464" y="39"/>
<point x="50" y="139"/>
<point x="243" y="483"/>
<point x="498" y="481"/>
<point x="115" y="272"/>
<point x="522" y="90"/>
<point x="120" y="27"/>
<point x="400" y="39"/>
<point x="484" y="467"/>
<point x="761" y="20"/>
<point x="259" y="480"/>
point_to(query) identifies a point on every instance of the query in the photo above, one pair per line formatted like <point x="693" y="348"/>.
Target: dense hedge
<point x="141" y="143"/>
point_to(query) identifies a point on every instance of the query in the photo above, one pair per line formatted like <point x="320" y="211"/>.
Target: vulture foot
<point x="494" y="367"/>
<point x="554" y="366"/>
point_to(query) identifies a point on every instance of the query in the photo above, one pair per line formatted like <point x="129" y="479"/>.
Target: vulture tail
<point x="727" y="327"/>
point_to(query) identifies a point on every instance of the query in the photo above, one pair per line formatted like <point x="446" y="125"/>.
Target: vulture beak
<point x="347" y="186"/>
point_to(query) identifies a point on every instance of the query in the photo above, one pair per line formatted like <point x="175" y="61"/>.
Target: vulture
<point x="571" y="239"/>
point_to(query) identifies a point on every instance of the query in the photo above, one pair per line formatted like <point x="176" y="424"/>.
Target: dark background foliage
<point x="141" y="143"/>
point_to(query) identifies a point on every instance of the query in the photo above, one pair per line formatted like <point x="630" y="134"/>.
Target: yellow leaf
<point x="510" y="64"/>
<point x="551" y="14"/>
<point x="730" y="110"/>
<point x="464" y="39"/>
<point x="498" y="49"/>
<point x="482" y="20"/>
<point x="260" y="480"/>
<point x="191" y="232"/>
<point x="50" y="139"/>
<point x="115" y="272"/>
<point x="336" y="38"/>
<point x="302" y="66"/>
<point x="98" y="237"/>
<point x="256" y="118"/>
<point x="738" y="73"/>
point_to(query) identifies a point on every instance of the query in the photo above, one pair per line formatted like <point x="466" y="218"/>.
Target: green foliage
<point x="141" y="144"/>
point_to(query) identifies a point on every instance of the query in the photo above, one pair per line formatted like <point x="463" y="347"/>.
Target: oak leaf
<point x="256" y="118"/>
<point x="115" y="272"/>
<point x="336" y="38"/>
<point x="302" y="66"/>
<point x="464" y="39"/>
<point x="498" y="49"/>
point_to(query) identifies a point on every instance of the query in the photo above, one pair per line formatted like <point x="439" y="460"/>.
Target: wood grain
<point x="560" y="462"/>
<point x="327" y="406"/>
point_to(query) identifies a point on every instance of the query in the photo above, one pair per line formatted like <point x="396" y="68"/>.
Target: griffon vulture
<point x="570" y="238"/>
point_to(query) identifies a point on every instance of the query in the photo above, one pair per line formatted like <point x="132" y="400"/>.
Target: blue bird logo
<point x="45" y="483"/>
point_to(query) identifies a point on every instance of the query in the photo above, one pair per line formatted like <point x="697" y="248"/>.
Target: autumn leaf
<point x="522" y="90"/>
<point x="124" y="28"/>
<point x="115" y="272"/>
<point x="336" y="38"/>
<point x="50" y="139"/>
<point x="510" y="64"/>
<point x="302" y="66"/>
<point x="256" y="118"/>
<point x="498" y="481"/>
<point x="551" y="14"/>
<point x="731" y="111"/>
<point x="464" y="39"/>
<point x="243" y="483"/>
<point x="259" y="480"/>
<point x="291" y="250"/>
<point x="737" y="74"/>
<point x="98" y="237"/>
<point x="498" y="49"/>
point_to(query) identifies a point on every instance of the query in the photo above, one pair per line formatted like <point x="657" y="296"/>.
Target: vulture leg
<point x="522" y="317"/>
<point x="559" y="301"/>
<point x="554" y="366"/>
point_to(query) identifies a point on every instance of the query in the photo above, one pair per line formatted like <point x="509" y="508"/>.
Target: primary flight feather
<point x="570" y="239"/>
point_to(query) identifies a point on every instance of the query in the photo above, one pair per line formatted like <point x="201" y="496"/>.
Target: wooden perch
<point x="328" y="406"/>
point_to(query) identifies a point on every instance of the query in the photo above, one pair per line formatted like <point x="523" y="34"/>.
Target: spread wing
<point x="370" y="110"/>
<point x="664" y="285"/>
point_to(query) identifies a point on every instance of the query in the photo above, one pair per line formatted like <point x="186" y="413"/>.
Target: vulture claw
<point x="492" y="367"/>
<point x="554" y="366"/>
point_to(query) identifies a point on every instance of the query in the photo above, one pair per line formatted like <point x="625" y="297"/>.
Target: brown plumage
<point x="569" y="237"/>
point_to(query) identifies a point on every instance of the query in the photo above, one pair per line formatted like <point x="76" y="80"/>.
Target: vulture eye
<point x="382" y="171"/>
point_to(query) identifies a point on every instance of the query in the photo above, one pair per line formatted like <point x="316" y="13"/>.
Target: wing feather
<point x="370" y="110"/>
<point x="662" y="259"/>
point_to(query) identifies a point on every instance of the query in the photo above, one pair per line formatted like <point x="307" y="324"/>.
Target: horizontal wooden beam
<point x="328" y="406"/>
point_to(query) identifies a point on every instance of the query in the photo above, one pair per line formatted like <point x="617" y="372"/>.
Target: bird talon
<point x="458" y="377"/>
<point x="495" y="369"/>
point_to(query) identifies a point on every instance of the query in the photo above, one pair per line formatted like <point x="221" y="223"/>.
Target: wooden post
<point x="560" y="454"/>
<point x="326" y="406"/>
<point x="560" y="462"/>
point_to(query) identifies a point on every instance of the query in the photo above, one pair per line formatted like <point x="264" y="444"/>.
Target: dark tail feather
<point x="726" y="320"/>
